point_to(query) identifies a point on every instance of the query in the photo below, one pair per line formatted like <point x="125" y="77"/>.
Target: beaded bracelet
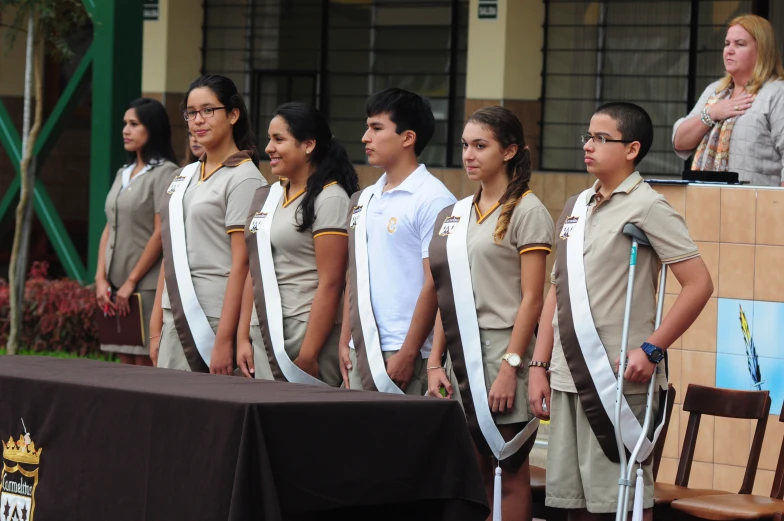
<point x="705" y="117"/>
<point x="535" y="363"/>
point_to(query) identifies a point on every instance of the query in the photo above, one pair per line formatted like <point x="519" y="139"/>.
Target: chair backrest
<point x="750" y="405"/>
<point x="658" y="450"/>
<point x="777" y="490"/>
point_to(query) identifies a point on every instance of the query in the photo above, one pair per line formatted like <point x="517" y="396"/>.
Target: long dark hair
<point x="329" y="157"/>
<point x="228" y="95"/>
<point x="153" y="116"/>
<point x="508" y="131"/>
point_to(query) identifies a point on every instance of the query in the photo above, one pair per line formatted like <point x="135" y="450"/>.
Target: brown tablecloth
<point x="134" y="443"/>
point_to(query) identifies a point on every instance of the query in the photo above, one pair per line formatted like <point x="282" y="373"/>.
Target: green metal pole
<point x="117" y="79"/>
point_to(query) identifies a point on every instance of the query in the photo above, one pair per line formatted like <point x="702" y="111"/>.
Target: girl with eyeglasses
<point x="205" y="261"/>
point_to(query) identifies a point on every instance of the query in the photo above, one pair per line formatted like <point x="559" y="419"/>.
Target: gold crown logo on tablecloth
<point x="21" y="451"/>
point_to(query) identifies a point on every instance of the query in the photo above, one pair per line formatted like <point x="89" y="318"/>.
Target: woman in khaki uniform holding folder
<point x="205" y="262"/>
<point x="298" y="248"/>
<point x="130" y="250"/>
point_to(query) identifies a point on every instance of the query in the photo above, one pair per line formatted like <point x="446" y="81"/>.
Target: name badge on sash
<point x="568" y="226"/>
<point x="354" y="216"/>
<point x="176" y="182"/>
<point x="449" y="225"/>
<point x="256" y="221"/>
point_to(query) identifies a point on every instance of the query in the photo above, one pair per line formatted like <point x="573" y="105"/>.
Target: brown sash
<point x="601" y="423"/>
<point x="259" y="198"/>
<point x="356" y="326"/>
<point x="195" y="361"/>
<point x="439" y="266"/>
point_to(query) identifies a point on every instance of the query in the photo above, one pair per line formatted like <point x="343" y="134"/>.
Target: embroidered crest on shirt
<point x="568" y="226"/>
<point x="392" y="225"/>
<point x="449" y="225"/>
<point x="355" y="216"/>
<point x="177" y="181"/>
<point x="256" y="221"/>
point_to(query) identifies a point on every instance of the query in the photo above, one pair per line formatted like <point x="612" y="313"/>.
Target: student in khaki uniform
<point x="506" y="239"/>
<point x="130" y="250"/>
<point x="389" y="314"/>
<point x="205" y="260"/>
<point x="581" y="474"/>
<point x="307" y="244"/>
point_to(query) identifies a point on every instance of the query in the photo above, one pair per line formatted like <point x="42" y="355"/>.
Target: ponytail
<point x="508" y="131"/>
<point x="328" y="156"/>
<point x="334" y="166"/>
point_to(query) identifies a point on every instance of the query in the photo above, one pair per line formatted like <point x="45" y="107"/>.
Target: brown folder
<point x="123" y="331"/>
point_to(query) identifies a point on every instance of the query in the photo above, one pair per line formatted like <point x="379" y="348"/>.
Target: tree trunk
<point x="24" y="211"/>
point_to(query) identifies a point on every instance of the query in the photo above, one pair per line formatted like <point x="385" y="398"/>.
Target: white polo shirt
<point x="399" y="228"/>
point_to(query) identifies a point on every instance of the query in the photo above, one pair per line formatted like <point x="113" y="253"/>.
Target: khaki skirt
<point x="171" y="355"/>
<point x="495" y="344"/>
<point x="293" y="334"/>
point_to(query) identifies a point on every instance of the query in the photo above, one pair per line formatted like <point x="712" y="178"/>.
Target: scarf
<point x="713" y="152"/>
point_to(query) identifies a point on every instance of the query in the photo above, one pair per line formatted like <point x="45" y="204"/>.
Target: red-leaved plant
<point x="57" y="314"/>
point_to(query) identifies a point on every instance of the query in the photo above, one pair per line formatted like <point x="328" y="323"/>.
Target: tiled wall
<point x="738" y="233"/>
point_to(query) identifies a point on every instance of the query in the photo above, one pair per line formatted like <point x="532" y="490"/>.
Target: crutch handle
<point x="634" y="232"/>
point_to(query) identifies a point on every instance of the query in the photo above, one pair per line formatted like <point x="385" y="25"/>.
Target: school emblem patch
<point x="19" y="479"/>
<point x="355" y="216"/>
<point x="568" y="226"/>
<point x="256" y="221"/>
<point x="392" y="225"/>
<point x="176" y="182"/>
<point x="448" y="226"/>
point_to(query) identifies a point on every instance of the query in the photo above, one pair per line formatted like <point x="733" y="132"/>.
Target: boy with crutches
<point x="579" y="342"/>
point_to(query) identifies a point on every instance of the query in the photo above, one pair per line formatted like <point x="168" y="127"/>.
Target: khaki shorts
<point x="416" y="387"/>
<point x="293" y="335"/>
<point x="579" y="475"/>
<point x="170" y="353"/>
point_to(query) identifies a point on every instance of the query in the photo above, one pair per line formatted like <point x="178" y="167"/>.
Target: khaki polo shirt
<point x="606" y="257"/>
<point x="130" y="214"/>
<point x="495" y="267"/>
<point x="294" y="252"/>
<point x="214" y="206"/>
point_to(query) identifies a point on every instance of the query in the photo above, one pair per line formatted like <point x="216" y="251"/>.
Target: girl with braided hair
<point x="487" y="258"/>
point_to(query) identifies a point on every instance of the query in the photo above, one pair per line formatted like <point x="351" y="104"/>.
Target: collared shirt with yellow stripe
<point x="294" y="252"/>
<point x="495" y="266"/>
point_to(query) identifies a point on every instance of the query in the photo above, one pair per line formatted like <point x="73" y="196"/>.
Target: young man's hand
<point x="639" y="369"/>
<point x="538" y="391"/>
<point x="400" y="369"/>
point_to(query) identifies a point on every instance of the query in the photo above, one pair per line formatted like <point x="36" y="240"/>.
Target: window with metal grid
<point x="658" y="54"/>
<point x="335" y="53"/>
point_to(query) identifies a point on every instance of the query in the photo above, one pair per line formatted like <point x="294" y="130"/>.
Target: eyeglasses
<point x="601" y="140"/>
<point x="208" y="112"/>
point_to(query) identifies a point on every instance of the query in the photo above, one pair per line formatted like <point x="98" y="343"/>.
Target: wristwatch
<point x="512" y="359"/>
<point x="655" y="354"/>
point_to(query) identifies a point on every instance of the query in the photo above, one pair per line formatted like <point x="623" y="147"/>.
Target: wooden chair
<point x="712" y="401"/>
<point x="539" y="475"/>
<point x="731" y="507"/>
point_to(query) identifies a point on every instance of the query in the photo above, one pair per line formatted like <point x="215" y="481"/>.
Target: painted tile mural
<point x="750" y="347"/>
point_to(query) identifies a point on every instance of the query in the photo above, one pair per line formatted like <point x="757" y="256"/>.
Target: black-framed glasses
<point x="601" y="140"/>
<point x="190" y="115"/>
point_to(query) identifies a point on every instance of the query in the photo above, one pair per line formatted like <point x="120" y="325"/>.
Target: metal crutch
<point x="625" y="482"/>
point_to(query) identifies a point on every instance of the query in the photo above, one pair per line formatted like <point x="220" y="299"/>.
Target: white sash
<point x="595" y="354"/>
<point x="465" y="306"/>
<point x="367" y="318"/>
<point x="202" y="333"/>
<point x="272" y="292"/>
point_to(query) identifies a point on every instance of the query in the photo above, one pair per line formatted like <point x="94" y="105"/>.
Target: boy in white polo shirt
<point x="388" y="318"/>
